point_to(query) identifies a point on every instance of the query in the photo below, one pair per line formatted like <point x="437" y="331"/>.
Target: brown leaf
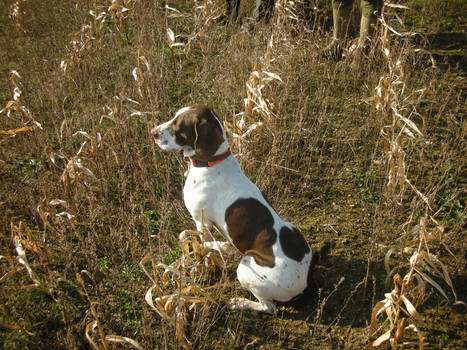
<point x="124" y="340"/>
<point x="380" y="305"/>
<point x="397" y="283"/>
<point x="411" y="309"/>
<point x="18" y="131"/>
<point x="400" y="330"/>
<point x="382" y="338"/>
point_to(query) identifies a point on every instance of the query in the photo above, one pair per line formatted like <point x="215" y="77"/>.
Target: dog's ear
<point x="208" y="138"/>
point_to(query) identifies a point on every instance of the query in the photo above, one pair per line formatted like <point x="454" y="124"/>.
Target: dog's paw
<point x="245" y="304"/>
<point x="238" y="303"/>
<point x="183" y="235"/>
<point x="186" y="233"/>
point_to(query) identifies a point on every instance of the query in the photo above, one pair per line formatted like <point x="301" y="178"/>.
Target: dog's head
<point x="195" y="129"/>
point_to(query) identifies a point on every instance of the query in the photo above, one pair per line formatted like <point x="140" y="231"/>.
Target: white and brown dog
<point x="276" y="263"/>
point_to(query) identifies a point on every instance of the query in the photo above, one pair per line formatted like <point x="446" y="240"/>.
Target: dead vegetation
<point x="366" y="153"/>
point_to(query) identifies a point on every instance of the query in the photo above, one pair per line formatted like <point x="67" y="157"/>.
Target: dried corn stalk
<point x="24" y="241"/>
<point x="174" y="308"/>
<point x="179" y="278"/>
<point x="396" y="303"/>
<point x="53" y="213"/>
<point x="16" y="106"/>
<point x="17" y="14"/>
<point x="399" y="304"/>
<point x="258" y="108"/>
<point x="93" y="331"/>
<point x="75" y="172"/>
<point x="87" y="39"/>
<point x="392" y="102"/>
<point x="138" y="72"/>
<point x="199" y="259"/>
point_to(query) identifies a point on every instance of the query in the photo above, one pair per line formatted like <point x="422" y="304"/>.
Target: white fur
<point x="165" y="139"/>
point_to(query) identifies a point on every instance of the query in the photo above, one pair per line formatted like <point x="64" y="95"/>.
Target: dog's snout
<point x="155" y="133"/>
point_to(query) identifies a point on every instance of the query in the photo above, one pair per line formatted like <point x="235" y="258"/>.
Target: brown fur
<point x="250" y="224"/>
<point x="199" y="129"/>
<point x="293" y="244"/>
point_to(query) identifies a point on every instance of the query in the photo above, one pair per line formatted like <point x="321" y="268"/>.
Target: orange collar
<point x="198" y="163"/>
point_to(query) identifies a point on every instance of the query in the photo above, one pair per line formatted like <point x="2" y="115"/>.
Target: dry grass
<point x="366" y="153"/>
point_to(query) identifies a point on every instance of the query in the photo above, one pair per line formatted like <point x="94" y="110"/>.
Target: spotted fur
<point x="276" y="261"/>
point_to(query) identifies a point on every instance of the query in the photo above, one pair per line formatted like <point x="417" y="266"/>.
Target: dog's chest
<point x="202" y="192"/>
<point x="212" y="190"/>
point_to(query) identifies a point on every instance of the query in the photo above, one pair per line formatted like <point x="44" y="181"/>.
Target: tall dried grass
<point x="396" y="105"/>
<point x="86" y="195"/>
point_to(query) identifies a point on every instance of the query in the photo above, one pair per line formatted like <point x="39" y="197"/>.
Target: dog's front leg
<point x="185" y="233"/>
<point x="221" y="247"/>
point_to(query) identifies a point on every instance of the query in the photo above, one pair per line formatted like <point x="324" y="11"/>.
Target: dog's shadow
<point x="343" y="292"/>
<point x="342" y="295"/>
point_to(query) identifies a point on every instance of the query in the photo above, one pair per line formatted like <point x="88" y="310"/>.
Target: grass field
<point x="365" y="154"/>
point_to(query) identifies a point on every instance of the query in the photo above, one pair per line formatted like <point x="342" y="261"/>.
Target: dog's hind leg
<point x="258" y="284"/>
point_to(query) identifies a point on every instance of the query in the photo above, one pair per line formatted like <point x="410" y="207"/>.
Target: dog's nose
<point x="155" y="133"/>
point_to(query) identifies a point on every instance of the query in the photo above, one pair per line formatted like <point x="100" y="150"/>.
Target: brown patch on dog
<point x="250" y="223"/>
<point x="293" y="244"/>
<point x="198" y="128"/>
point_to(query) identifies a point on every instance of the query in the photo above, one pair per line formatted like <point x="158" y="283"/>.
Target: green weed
<point x="362" y="179"/>
<point x="172" y="255"/>
<point x="128" y="312"/>
<point x="105" y="263"/>
<point x="453" y="207"/>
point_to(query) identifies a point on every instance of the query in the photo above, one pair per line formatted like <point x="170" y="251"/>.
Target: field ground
<point x="85" y="195"/>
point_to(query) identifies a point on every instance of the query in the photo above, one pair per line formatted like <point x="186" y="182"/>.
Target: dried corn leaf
<point x="78" y="164"/>
<point x="18" y="131"/>
<point x="388" y="4"/>
<point x="400" y="330"/>
<point x="387" y="258"/>
<point x="149" y="300"/>
<point x="145" y="62"/>
<point x="8" y="106"/>
<point x="411" y="309"/>
<point x="58" y="202"/>
<point x="433" y="283"/>
<point x="172" y="9"/>
<point x="123" y="340"/>
<point x="377" y="309"/>
<point x="90" y="327"/>
<point x="170" y="36"/>
<point x="382" y="338"/>
<point x="390" y="313"/>
<point x="24" y="261"/>
<point x="273" y="76"/>
<point x="445" y="274"/>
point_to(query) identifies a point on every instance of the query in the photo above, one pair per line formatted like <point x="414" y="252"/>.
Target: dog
<point x="276" y="260"/>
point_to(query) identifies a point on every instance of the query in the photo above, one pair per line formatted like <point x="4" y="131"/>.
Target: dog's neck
<point x="221" y="154"/>
<point x="190" y="152"/>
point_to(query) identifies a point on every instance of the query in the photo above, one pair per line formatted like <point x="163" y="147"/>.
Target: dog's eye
<point x="181" y="137"/>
